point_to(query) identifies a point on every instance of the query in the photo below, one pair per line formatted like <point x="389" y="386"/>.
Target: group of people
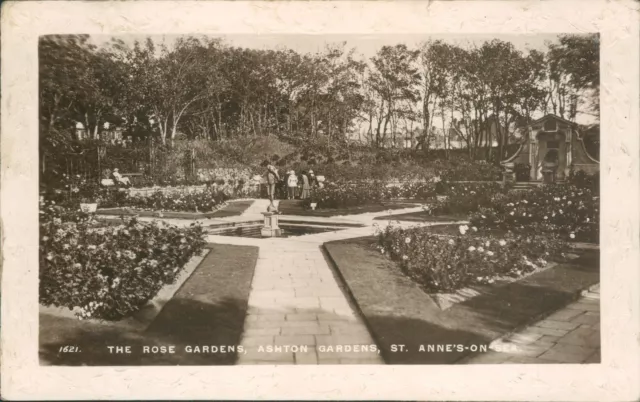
<point x="298" y="186"/>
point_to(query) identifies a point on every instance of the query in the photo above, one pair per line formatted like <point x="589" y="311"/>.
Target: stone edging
<point x="447" y="300"/>
<point x="141" y="319"/>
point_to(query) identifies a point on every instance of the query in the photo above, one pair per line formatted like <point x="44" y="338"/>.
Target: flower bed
<point x="206" y="200"/>
<point x="572" y="212"/>
<point x="442" y="263"/>
<point x="108" y="272"/>
<point x="464" y="198"/>
<point x="345" y="195"/>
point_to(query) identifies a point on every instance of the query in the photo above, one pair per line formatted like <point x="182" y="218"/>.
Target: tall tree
<point x="574" y="73"/>
<point x="395" y="78"/>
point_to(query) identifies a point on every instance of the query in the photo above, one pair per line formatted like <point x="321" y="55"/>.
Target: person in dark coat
<point x="305" y="186"/>
<point x="272" y="179"/>
<point x="313" y="180"/>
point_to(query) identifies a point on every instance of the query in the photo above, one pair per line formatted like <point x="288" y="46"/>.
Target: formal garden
<point x="128" y="254"/>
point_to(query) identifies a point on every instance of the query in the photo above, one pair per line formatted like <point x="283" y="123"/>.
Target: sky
<point x="366" y="45"/>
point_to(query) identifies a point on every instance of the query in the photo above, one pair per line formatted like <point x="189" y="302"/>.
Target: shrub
<point x="465" y="198"/>
<point x="446" y="263"/>
<point x="462" y="169"/>
<point x="108" y="272"/>
<point x="567" y="210"/>
<point x="345" y="194"/>
<point x="207" y="200"/>
<point x="583" y="180"/>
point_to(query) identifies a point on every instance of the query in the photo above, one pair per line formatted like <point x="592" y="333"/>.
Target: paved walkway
<point x="298" y="311"/>
<point x="570" y="335"/>
<point x="298" y="314"/>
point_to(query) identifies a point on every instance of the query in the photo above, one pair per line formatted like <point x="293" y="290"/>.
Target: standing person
<point x="313" y="180"/>
<point x="272" y="179"/>
<point x="305" y="186"/>
<point x="292" y="184"/>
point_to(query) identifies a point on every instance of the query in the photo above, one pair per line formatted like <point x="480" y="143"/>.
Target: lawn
<point x="398" y="311"/>
<point x="209" y="309"/>
<point x="294" y="207"/>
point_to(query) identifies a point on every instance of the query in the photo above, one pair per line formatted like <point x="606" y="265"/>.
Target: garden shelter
<point x="553" y="147"/>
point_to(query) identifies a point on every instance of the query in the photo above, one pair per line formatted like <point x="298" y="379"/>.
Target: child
<point x="292" y="183"/>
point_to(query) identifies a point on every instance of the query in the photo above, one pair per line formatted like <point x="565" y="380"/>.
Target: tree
<point x="574" y="74"/>
<point x="395" y="78"/>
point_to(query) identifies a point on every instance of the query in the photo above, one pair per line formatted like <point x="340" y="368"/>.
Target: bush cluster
<point x="442" y="263"/>
<point x="464" y="198"/>
<point x="463" y="169"/>
<point x="354" y="194"/>
<point x="108" y="272"/>
<point x="566" y="210"/>
<point x="206" y="200"/>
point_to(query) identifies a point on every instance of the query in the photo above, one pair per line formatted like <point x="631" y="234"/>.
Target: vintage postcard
<point x="405" y="200"/>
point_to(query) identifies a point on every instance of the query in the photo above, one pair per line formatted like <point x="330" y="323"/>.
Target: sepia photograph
<point x="318" y="200"/>
<point x="327" y="199"/>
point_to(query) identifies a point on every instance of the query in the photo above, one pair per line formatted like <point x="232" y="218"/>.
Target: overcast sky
<point x="365" y="45"/>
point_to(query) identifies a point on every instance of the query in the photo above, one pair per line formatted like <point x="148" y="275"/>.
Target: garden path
<point x="299" y="312"/>
<point x="570" y="335"/>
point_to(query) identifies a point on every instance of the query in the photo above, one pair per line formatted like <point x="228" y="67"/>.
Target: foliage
<point x="208" y="89"/>
<point x="574" y="70"/>
<point x="569" y="211"/>
<point x="344" y="195"/>
<point x="583" y="180"/>
<point x="206" y="200"/>
<point x="446" y="263"/>
<point x="463" y="169"/>
<point x="464" y="198"/>
<point x="108" y="272"/>
<point x="353" y="194"/>
<point x="522" y="171"/>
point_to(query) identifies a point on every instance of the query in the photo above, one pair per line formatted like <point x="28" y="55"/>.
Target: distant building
<point x="554" y="147"/>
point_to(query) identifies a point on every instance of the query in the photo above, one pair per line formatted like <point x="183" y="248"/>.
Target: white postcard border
<point x="22" y="378"/>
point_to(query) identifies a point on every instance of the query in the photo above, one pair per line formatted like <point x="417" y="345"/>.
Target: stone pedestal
<point x="270" y="227"/>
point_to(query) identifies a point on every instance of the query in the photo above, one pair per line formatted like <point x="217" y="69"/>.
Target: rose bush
<point x="464" y="198"/>
<point x="441" y="263"/>
<point x="569" y="211"/>
<point x="581" y="180"/>
<point x="412" y="190"/>
<point x="345" y="194"/>
<point x="108" y="272"/>
<point x="206" y="200"/>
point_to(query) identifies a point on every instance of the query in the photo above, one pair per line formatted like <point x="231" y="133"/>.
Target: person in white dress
<point x="119" y="179"/>
<point x="292" y="184"/>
